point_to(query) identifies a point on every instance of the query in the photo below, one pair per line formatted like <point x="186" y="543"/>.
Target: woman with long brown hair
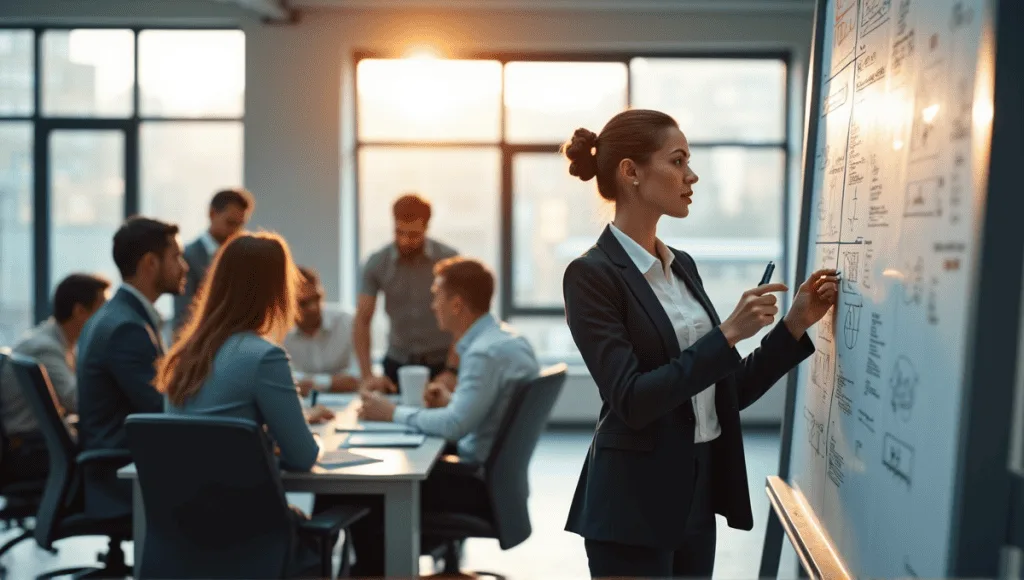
<point x="228" y="360"/>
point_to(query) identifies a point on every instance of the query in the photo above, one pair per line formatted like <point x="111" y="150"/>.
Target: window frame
<point x="507" y="306"/>
<point x="43" y="125"/>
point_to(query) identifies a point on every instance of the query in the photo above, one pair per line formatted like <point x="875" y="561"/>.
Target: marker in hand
<point x="768" y="271"/>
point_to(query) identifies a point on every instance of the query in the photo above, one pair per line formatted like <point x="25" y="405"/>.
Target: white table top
<point x="408" y="463"/>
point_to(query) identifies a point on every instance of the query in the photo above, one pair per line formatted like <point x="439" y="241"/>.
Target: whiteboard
<point x="875" y="428"/>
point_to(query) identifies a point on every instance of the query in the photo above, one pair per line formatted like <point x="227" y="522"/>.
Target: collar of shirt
<point x="209" y="243"/>
<point x="642" y="258"/>
<point x="482" y="324"/>
<point x="154" y="316"/>
<point x="428" y="250"/>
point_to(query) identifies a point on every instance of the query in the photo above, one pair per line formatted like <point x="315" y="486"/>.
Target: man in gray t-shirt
<point x="404" y="271"/>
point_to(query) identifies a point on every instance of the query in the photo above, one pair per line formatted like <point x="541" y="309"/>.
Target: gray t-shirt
<point x="406" y="283"/>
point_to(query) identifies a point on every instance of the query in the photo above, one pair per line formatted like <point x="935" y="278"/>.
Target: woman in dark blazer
<point x="668" y="453"/>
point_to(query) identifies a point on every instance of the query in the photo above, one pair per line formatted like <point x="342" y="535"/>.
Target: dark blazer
<point x="637" y="479"/>
<point x="198" y="260"/>
<point x="117" y="354"/>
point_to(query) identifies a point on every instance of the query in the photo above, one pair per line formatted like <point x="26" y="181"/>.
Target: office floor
<point x="549" y="553"/>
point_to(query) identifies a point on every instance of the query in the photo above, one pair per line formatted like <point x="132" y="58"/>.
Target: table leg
<point x="402" y="529"/>
<point x="138" y="526"/>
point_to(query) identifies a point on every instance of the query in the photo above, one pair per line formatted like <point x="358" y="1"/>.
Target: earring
<point x="637" y="183"/>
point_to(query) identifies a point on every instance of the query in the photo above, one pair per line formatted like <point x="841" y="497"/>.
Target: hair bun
<point x="581" y="151"/>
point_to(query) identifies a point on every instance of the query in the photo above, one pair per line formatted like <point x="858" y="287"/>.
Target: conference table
<point x="396" y="477"/>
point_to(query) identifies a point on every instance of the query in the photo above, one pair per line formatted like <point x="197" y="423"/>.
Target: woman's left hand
<point x="813" y="300"/>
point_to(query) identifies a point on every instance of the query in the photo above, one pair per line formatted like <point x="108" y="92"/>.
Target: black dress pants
<point x="695" y="558"/>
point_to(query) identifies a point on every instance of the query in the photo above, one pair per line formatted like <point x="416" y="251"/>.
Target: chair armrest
<point x="452" y="465"/>
<point x="332" y="521"/>
<point x="111" y="456"/>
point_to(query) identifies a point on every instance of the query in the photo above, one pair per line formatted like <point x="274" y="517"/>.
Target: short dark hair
<point x="468" y="279"/>
<point x="82" y="289"/>
<point x="634" y="134"/>
<point x="309" y="275"/>
<point x="236" y="195"/>
<point x="411" y="207"/>
<point x="137" y="237"/>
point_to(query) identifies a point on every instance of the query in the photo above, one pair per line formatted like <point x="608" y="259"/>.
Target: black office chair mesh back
<point x="508" y="465"/>
<point x="213" y="498"/>
<point x="59" y="444"/>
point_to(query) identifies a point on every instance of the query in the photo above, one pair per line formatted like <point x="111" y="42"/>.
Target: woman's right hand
<point x="757" y="308"/>
<point x="318" y="414"/>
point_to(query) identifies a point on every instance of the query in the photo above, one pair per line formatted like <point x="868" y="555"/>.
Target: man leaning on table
<point x="320" y="344"/>
<point x="493" y="360"/>
<point x="402" y="271"/>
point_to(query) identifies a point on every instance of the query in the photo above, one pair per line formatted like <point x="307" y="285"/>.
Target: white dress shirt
<point x="326" y="353"/>
<point x="688" y="317"/>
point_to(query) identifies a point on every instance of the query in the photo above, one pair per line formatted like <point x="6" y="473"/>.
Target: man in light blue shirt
<point x="493" y="359"/>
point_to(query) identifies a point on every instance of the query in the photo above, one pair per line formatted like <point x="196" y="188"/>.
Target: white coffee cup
<point x="412" y="381"/>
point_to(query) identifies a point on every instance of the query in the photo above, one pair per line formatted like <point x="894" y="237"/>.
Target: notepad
<point x="342" y="458"/>
<point x="375" y="426"/>
<point x="385" y="439"/>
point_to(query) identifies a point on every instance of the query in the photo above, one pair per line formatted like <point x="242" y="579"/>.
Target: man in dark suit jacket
<point x="230" y="210"/>
<point x="118" y="349"/>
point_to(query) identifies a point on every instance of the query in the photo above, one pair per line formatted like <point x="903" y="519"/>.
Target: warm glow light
<point x="557" y="87"/>
<point x="426" y="90"/>
<point x="897" y="144"/>
<point x="930" y="112"/>
<point x="893" y="273"/>
<point x="422" y="53"/>
<point x="982" y="112"/>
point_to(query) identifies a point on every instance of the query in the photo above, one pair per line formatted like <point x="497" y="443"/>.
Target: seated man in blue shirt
<point x="493" y="360"/>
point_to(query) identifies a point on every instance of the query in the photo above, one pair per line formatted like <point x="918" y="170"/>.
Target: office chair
<point x="21" y="498"/>
<point x="215" y="506"/>
<point x="61" y="510"/>
<point x="505" y="474"/>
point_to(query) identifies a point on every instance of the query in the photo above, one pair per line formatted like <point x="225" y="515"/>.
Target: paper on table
<point x="376" y="426"/>
<point x="384" y="439"/>
<point x="342" y="458"/>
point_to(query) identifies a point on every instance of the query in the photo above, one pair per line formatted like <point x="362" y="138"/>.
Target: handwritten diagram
<point x="924" y="197"/>
<point x="903" y="384"/>
<point x="898" y="457"/>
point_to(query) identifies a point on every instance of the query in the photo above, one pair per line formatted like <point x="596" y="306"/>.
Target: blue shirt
<point x="493" y="359"/>
<point x="251" y="379"/>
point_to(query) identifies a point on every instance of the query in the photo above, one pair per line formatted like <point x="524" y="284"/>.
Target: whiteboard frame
<point x="774" y="532"/>
<point x="982" y="496"/>
<point x="982" y="487"/>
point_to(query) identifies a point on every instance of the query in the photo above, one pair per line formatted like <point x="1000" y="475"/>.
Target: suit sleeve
<point x="594" y="312"/>
<point x="132" y="356"/>
<point x="778" y="353"/>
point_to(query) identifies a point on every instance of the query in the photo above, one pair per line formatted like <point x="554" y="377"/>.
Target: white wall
<point x="299" y="140"/>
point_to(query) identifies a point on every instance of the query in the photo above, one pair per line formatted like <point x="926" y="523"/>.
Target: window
<point x="112" y="145"/>
<point x="481" y="139"/>
<point x="88" y="73"/>
<point x="15" y="228"/>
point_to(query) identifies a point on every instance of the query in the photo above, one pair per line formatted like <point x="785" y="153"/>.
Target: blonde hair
<point x="250" y="286"/>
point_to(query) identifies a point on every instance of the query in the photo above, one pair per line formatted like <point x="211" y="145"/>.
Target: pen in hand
<point x="767" y="277"/>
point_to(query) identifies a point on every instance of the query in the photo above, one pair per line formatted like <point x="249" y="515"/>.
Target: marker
<point x="312" y="397"/>
<point x="769" y="269"/>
